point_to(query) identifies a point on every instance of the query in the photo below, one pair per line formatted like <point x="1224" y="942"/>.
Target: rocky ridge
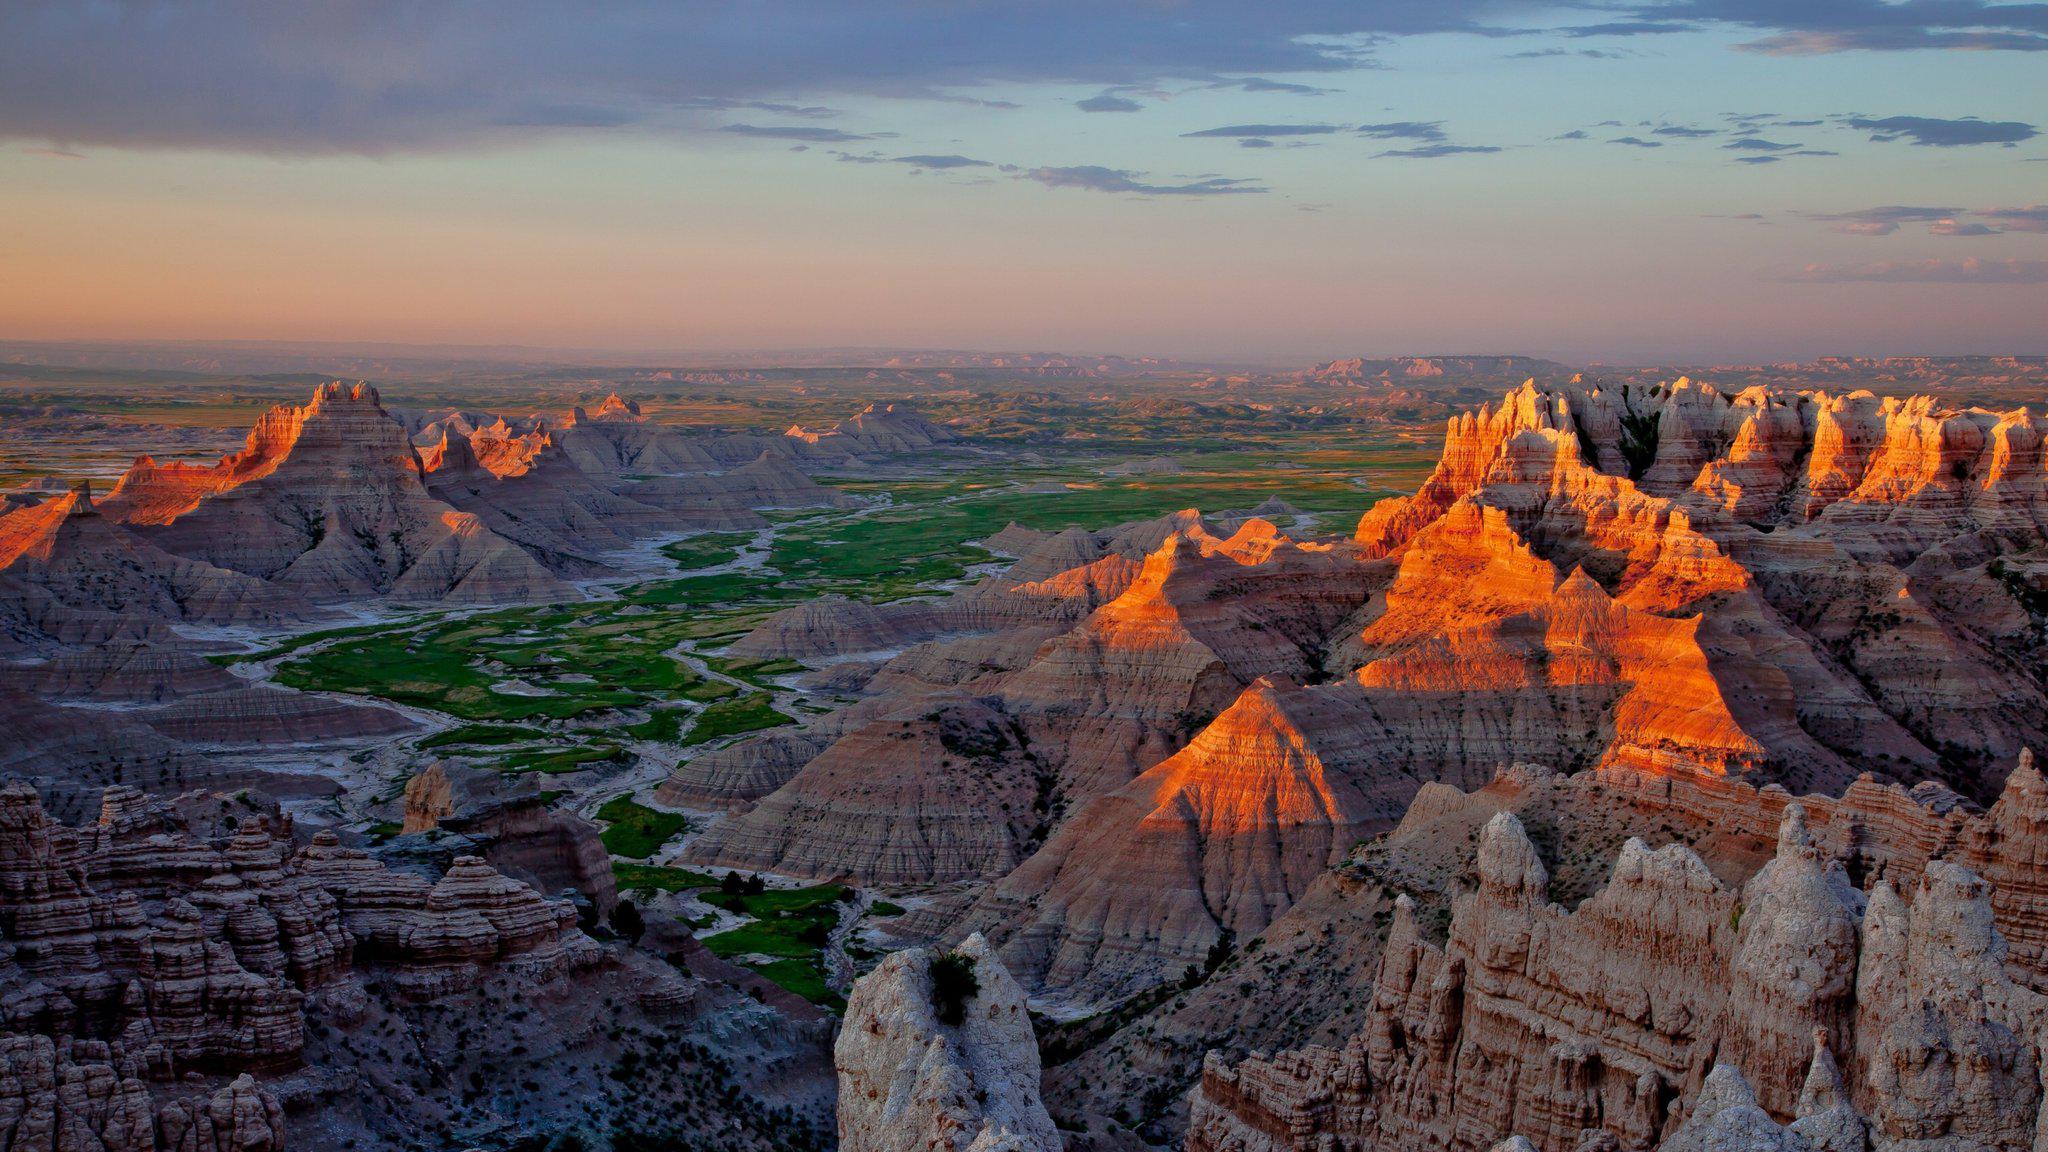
<point x="169" y="942"/>
<point x="1671" y="1009"/>
<point x="1658" y="584"/>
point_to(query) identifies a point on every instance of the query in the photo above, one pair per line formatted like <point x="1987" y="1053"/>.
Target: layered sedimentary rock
<point x="138" y="673"/>
<point x="1086" y="711"/>
<point x="1656" y="584"/>
<point x="87" y="563"/>
<point x="1217" y="840"/>
<point x="968" y="810"/>
<point x="729" y="498"/>
<point x="1858" y="521"/>
<point x="509" y="822"/>
<point x="549" y="507"/>
<point x="78" y="1095"/>
<point x="69" y="754"/>
<point x="328" y="500"/>
<point x="878" y="429"/>
<point x="1556" y="1025"/>
<point x="146" y="947"/>
<point x="910" y="1080"/>
<point x="262" y="714"/>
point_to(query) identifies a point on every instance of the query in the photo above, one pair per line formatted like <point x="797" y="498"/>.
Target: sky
<point x="1614" y="180"/>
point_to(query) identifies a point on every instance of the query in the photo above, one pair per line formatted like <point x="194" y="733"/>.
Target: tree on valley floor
<point x="627" y="921"/>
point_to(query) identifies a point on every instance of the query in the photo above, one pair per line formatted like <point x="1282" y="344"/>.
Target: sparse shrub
<point x="953" y="985"/>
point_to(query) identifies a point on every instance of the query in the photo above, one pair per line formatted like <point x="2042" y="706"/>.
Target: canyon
<point x="1654" y="771"/>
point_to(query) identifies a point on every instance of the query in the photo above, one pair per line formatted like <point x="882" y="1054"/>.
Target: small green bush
<point x="953" y="985"/>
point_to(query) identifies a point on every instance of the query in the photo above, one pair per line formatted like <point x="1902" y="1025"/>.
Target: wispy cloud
<point x="1265" y="130"/>
<point x="383" y="79"/>
<point x="1109" y="102"/>
<point x="1432" y="130"/>
<point x="1637" y="142"/>
<point x="1970" y="271"/>
<point x="1885" y="219"/>
<point x="1096" y="178"/>
<point x="945" y="161"/>
<point x="1262" y="84"/>
<point x="1811" y="28"/>
<point x="2034" y="219"/>
<point x="1581" y="53"/>
<point x="804" y="133"/>
<point x="1628" y="28"/>
<point x="1935" y="132"/>
<point x="1435" y="151"/>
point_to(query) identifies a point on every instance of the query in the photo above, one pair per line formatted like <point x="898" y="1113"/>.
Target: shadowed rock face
<point x="1673" y="1010"/>
<point x="88" y="564"/>
<point x="137" y="950"/>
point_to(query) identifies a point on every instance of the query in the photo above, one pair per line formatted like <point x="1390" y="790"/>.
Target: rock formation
<point x="1551" y="1024"/>
<point x="508" y="822"/>
<point x="912" y="1080"/>
<point x="330" y="501"/>
<point x="878" y="429"/>
<point x="86" y="563"/>
<point x="1655" y="584"/>
<point x="146" y="948"/>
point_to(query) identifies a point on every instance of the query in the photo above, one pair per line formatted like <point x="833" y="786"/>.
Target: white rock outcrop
<point x="909" y="1082"/>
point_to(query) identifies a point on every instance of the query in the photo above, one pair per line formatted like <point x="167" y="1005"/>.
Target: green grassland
<point x="636" y="831"/>
<point x="581" y="658"/>
<point x="751" y="713"/>
<point x="706" y="551"/>
<point x="789" y="925"/>
<point x="654" y="878"/>
<point x="609" y="667"/>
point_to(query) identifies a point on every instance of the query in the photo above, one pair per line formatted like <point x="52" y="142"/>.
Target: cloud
<point x="1261" y="84"/>
<point x="713" y="104"/>
<point x="1433" y="151"/>
<point x="1683" y="131"/>
<point x="1637" y="142"/>
<point x="1627" y="28"/>
<point x="1553" y="53"/>
<point x="1811" y="27"/>
<point x="1885" y="219"/>
<point x="1940" y="221"/>
<point x="801" y="132"/>
<point x="1431" y="130"/>
<point x="1970" y="271"/>
<point x="1934" y="132"/>
<point x="370" y="78"/>
<point x="1108" y="102"/>
<point x="1758" y="144"/>
<point x="1574" y="134"/>
<point x="1254" y="142"/>
<point x="1267" y="130"/>
<point x="947" y="161"/>
<point x="2034" y="219"/>
<point x="1096" y="178"/>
